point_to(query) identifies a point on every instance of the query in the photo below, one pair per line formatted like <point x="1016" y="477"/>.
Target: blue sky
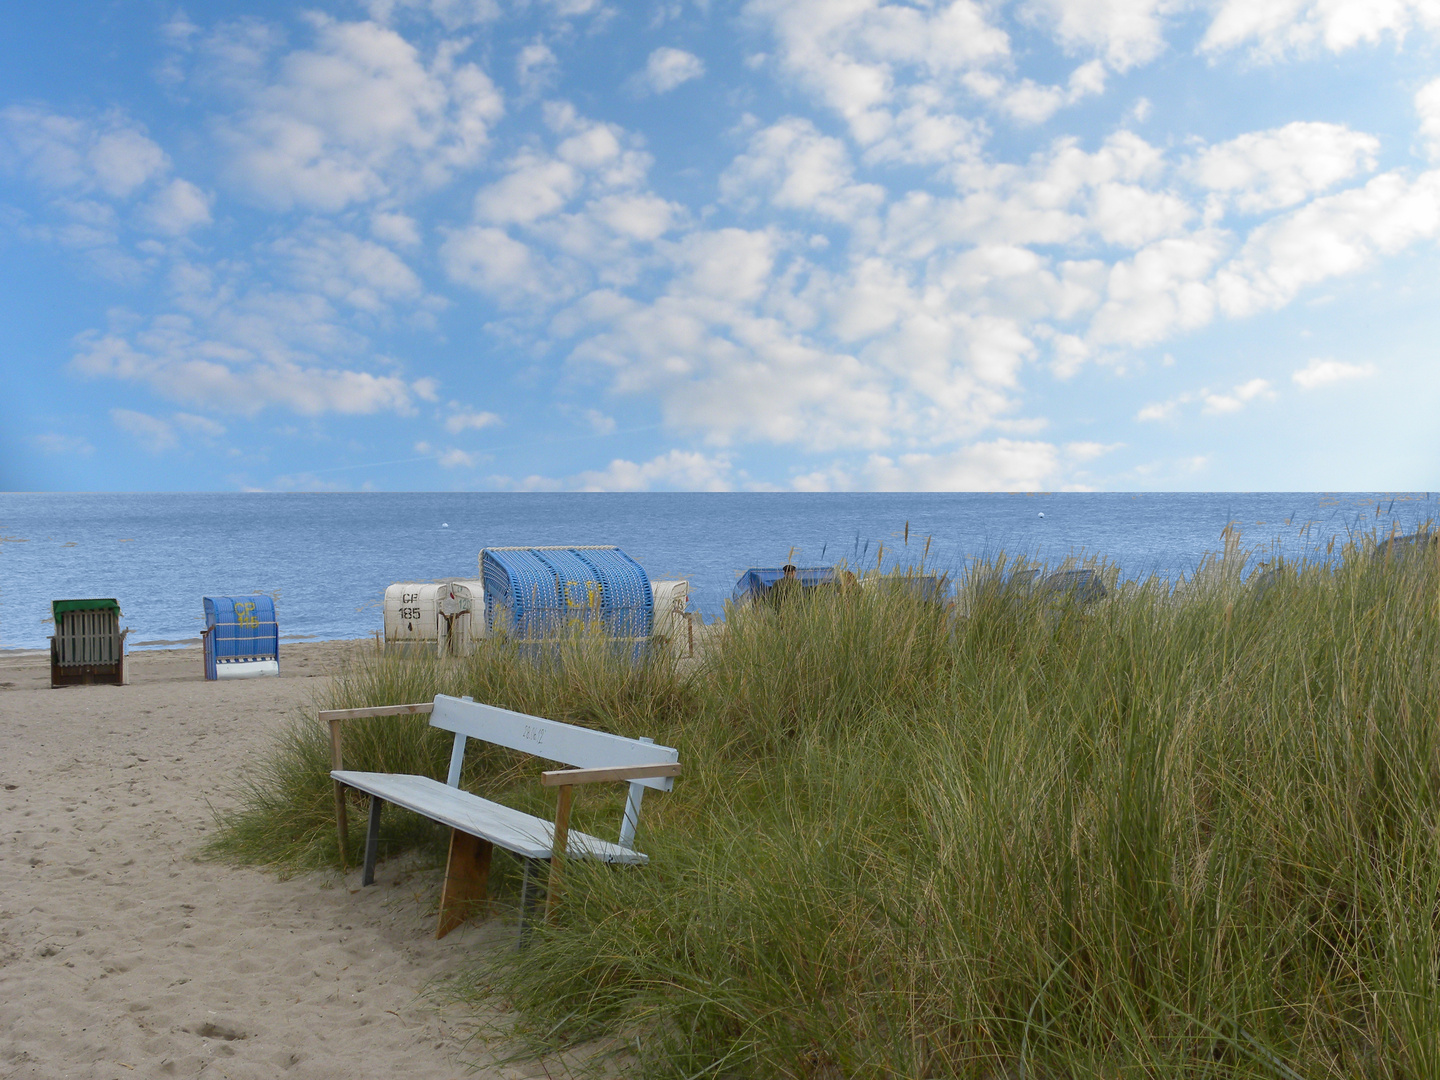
<point x="778" y="244"/>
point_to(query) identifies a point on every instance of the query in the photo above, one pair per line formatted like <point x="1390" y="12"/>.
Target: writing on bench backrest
<point x="580" y="748"/>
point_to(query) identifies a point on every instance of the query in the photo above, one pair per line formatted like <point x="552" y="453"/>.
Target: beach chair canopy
<point x="60" y="607"/>
<point x="542" y="592"/>
<point x="759" y="580"/>
<point x="242" y="628"/>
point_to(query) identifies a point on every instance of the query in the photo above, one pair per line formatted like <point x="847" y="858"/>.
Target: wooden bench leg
<point x="558" y="847"/>
<point x="372" y="841"/>
<point x="467" y="872"/>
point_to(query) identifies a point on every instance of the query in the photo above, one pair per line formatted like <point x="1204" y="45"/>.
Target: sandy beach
<point x="123" y="955"/>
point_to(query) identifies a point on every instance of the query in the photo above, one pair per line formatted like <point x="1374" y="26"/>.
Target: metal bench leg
<point x="530" y="897"/>
<point x="467" y="872"/>
<point x="372" y="841"/>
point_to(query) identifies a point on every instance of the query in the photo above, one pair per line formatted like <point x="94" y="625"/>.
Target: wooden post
<point x="337" y="762"/>
<point x="557" y="851"/>
<point x="467" y="872"/>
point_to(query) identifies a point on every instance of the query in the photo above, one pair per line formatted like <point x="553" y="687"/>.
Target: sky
<point x="795" y="245"/>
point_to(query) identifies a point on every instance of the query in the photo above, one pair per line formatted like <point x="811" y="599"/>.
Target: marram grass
<point x="1174" y="833"/>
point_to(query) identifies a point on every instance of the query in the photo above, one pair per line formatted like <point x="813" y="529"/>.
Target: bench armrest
<point x="328" y="715"/>
<point x="334" y="717"/>
<point x="566" y="777"/>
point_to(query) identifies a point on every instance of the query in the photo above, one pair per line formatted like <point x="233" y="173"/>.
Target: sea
<point x="327" y="558"/>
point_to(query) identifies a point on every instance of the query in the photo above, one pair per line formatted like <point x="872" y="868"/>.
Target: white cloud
<point x="864" y="59"/>
<point x="395" y="228"/>
<point x="1033" y="103"/>
<point x="470" y="421"/>
<point x="1054" y="199"/>
<point x="344" y="267"/>
<point x="244" y="353"/>
<point x="1161" y="290"/>
<point x="201" y="426"/>
<point x="490" y="261"/>
<point x="1212" y="402"/>
<point x="51" y="442"/>
<point x="678" y="470"/>
<point x="667" y="68"/>
<point x="1334" y="235"/>
<point x="585" y="202"/>
<point x="536" y="67"/>
<point x="1277" y="27"/>
<point x="728" y="352"/>
<point x="454" y="458"/>
<point x="177" y="208"/>
<point x="1127" y="32"/>
<point x="535" y="187"/>
<point x="154" y="434"/>
<point x="720" y="370"/>
<point x="1089" y="451"/>
<point x="999" y="465"/>
<point x="1427" y="107"/>
<point x="725" y="265"/>
<point x="1130" y="216"/>
<point x="1268" y="170"/>
<point x="124" y="160"/>
<point x="358" y="117"/>
<point x="1325" y="372"/>
<point x="602" y="424"/>
<point x="1161" y="410"/>
<point x="452" y="14"/>
<point x="1236" y="399"/>
<point x="640" y="217"/>
<point x="110" y="155"/>
<point x="178" y="30"/>
<point x="794" y="167"/>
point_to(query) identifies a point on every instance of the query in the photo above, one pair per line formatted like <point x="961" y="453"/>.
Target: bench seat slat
<point x="511" y="829"/>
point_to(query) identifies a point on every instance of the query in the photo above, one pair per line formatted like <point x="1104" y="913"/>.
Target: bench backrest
<point x="580" y="748"/>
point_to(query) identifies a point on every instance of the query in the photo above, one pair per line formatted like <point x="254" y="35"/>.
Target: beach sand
<point x="122" y="954"/>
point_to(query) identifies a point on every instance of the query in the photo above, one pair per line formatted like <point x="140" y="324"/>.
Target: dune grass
<point x="1188" y="833"/>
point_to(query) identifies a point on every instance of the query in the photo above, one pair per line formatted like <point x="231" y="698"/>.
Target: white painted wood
<point x="578" y="747"/>
<point x="457" y="760"/>
<point x="576" y="777"/>
<point x="246" y="669"/>
<point x="522" y="833"/>
<point x="630" y="817"/>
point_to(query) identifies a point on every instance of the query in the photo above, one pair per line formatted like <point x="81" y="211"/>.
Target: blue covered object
<point x="534" y="593"/>
<point x="759" y="580"/>
<point x="241" y="631"/>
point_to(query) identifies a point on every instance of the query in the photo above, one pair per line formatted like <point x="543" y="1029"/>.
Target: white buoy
<point x="446" y="524"/>
<point x="1042" y="513"/>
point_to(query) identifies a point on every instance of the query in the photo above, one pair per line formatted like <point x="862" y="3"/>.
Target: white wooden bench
<point x="477" y="824"/>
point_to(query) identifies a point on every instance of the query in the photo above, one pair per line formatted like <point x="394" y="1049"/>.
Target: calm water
<point x="328" y="557"/>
